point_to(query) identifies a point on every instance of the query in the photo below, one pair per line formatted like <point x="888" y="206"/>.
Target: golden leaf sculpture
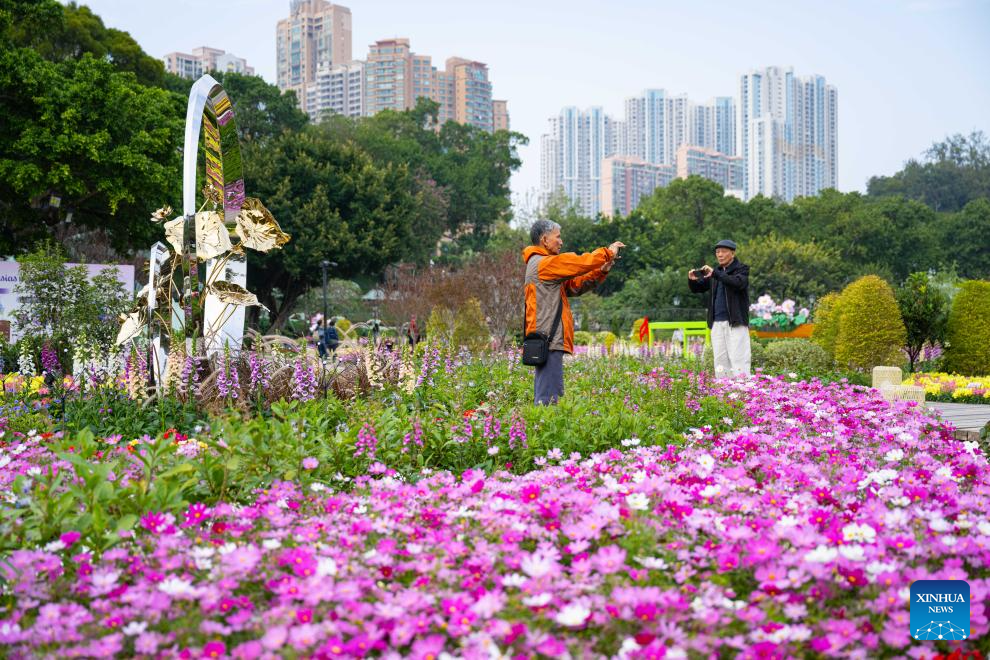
<point x="210" y="193"/>
<point x="212" y="236"/>
<point x="130" y="327"/>
<point x="173" y="233"/>
<point x="257" y="228"/>
<point x="233" y="294"/>
<point x="161" y="213"/>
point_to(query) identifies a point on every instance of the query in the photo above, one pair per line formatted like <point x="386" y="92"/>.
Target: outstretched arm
<point x="556" y="267"/>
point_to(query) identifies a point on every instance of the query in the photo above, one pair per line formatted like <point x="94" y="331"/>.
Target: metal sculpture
<point x="196" y="289"/>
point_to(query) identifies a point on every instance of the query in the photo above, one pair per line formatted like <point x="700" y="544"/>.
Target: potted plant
<point x="769" y="319"/>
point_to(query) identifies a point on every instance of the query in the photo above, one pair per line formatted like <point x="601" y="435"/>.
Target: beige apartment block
<point x="317" y="34"/>
<point x="500" y="110"/>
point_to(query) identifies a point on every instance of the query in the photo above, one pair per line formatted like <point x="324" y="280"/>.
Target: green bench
<point x="688" y="329"/>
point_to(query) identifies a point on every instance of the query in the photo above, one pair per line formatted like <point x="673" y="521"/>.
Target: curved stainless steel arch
<point x="211" y="114"/>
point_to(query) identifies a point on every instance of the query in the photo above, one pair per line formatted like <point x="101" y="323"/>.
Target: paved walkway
<point x="968" y="418"/>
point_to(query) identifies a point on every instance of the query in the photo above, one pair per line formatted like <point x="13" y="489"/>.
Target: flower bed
<point x="952" y="387"/>
<point x="797" y="534"/>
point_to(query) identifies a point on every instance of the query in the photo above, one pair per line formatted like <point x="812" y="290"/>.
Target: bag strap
<point x="556" y="319"/>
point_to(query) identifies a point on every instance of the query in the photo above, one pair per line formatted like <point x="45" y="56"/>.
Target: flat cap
<point x="726" y="243"/>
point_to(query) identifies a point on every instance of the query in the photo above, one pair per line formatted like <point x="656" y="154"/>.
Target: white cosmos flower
<point x="326" y="566"/>
<point x="852" y="552"/>
<point x="822" y="555"/>
<point x="538" y="600"/>
<point x="174" y="586"/>
<point x="573" y="615"/>
<point x="893" y="455"/>
<point x="514" y="580"/>
<point x="638" y="501"/>
<point x="134" y="628"/>
<point x="853" y="532"/>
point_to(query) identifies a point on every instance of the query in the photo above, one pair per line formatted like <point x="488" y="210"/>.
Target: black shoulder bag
<point x="536" y="345"/>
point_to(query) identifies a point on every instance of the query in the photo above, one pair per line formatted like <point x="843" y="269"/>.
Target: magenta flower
<point x="310" y="463"/>
<point x="214" y="649"/>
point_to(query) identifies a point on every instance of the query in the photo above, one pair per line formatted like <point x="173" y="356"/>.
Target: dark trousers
<point x="548" y="380"/>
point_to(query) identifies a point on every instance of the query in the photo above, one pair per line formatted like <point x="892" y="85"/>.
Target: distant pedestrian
<point x="331" y="340"/>
<point x="321" y="346"/>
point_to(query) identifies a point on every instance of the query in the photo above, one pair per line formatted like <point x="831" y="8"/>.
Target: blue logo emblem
<point x="939" y="609"/>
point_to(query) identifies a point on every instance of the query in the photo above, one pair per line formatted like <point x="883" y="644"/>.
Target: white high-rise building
<point x="571" y="157"/>
<point x="787" y="133"/>
<point x="337" y="89"/>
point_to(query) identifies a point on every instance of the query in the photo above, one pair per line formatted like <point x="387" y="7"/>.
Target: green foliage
<point x="924" y="309"/>
<point x="796" y="355"/>
<point x="786" y="268"/>
<point x="470" y="327"/>
<point x="92" y="136"/>
<point x="583" y="338"/>
<point x="963" y="237"/>
<point x="968" y="334"/>
<point x="59" y="303"/>
<point x="440" y="326"/>
<point x="954" y="172"/>
<point x="460" y="174"/>
<point x="826" y="318"/>
<point x="335" y="202"/>
<point x="871" y="331"/>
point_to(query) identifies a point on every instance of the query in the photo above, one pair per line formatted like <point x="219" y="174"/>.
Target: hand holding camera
<point x="700" y="273"/>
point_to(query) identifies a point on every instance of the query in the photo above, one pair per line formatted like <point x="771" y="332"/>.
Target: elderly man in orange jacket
<point x="551" y="277"/>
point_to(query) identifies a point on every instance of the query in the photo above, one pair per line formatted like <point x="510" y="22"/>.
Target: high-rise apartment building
<point x="573" y="152"/>
<point x="338" y="89"/>
<point x="787" y="133"/>
<point x="204" y="60"/>
<point x="315" y="36"/>
<point x="723" y="169"/>
<point x="626" y="180"/>
<point x="655" y="127"/>
<point x="389" y="76"/>
<point x="500" y="113"/>
<point x="395" y="77"/>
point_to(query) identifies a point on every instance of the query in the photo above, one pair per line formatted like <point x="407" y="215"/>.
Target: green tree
<point x="968" y="334"/>
<point x="786" y="268"/>
<point x="83" y="32"/>
<point x="963" y="239"/>
<point x="336" y="203"/>
<point x="93" y="137"/>
<point x="953" y="173"/>
<point x="59" y="303"/>
<point x="924" y="309"/>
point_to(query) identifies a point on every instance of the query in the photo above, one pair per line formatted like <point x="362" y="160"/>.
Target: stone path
<point x="968" y="418"/>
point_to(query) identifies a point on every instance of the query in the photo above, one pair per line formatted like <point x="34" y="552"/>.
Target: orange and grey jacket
<point x="550" y="279"/>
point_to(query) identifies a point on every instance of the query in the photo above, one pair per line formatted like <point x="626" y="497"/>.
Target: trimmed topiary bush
<point x="583" y="338"/>
<point x="470" y="327"/>
<point x="440" y="326"/>
<point x="796" y="355"/>
<point x="968" y="350"/>
<point x="871" y="331"/>
<point x="826" y="318"/>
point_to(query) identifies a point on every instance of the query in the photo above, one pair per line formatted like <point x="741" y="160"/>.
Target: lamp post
<point x="326" y="264"/>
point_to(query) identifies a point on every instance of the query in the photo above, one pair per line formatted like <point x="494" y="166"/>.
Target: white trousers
<point x="731" y="348"/>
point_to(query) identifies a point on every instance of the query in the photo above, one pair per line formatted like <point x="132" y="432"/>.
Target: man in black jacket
<point x="728" y="309"/>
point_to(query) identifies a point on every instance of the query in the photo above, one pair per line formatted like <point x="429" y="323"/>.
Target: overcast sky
<point x="908" y="72"/>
